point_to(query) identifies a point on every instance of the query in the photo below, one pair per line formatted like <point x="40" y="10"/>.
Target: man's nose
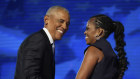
<point x="65" y="26"/>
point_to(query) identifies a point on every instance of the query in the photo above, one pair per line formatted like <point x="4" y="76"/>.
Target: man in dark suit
<point x="36" y="54"/>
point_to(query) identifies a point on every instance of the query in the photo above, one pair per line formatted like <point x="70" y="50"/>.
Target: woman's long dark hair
<point x="110" y="26"/>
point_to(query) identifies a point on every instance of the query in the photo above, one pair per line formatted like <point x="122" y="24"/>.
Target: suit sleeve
<point x="32" y="58"/>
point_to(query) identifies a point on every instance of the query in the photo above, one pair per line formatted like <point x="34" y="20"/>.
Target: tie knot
<point x="52" y="45"/>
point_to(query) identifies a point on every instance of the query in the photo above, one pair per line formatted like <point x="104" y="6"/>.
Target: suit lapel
<point x="47" y="39"/>
<point x="45" y="36"/>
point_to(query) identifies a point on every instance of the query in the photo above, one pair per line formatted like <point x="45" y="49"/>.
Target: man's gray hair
<point x="55" y="8"/>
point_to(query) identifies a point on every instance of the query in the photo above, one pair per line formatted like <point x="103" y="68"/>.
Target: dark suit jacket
<point x="35" y="58"/>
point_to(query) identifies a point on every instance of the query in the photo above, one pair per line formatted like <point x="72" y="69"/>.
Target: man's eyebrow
<point x="62" y="19"/>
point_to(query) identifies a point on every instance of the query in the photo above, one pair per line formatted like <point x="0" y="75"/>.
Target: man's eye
<point x="61" y="21"/>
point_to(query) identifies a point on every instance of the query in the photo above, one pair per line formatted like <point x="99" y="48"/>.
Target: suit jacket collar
<point x="49" y="35"/>
<point x="45" y="36"/>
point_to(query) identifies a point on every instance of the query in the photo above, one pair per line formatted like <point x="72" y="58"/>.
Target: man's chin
<point x="58" y="38"/>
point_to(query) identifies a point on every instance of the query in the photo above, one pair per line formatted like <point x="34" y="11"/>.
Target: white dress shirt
<point x="50" y="38"/>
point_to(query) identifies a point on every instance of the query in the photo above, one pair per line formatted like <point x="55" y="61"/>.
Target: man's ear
<point x="46" y="18"/>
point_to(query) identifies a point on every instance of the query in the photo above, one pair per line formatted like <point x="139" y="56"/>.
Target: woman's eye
<point x="87" y="28"/>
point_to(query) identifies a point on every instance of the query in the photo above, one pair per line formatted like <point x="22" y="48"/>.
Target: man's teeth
<point x="60" y="31"/>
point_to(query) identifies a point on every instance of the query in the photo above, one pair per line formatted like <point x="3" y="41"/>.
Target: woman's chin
<point x="87" y="43"/>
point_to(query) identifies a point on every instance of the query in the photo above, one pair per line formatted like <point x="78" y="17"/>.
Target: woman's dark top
<point x="107" y="68"/>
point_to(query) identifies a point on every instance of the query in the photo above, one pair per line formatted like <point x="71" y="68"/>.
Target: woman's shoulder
<point x="91" y="48"/>
<point x="94" y="52"/>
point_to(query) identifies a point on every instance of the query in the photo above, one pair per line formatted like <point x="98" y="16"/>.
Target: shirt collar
<point x="49" y="35"/>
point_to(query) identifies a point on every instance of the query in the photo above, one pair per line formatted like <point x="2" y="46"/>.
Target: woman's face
<point x="90" y="32"/>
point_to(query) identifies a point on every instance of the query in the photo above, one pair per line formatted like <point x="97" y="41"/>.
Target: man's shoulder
<point x="37" y="36"/>
<point x="34" y="39"/>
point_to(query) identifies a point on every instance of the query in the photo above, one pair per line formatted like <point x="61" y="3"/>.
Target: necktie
<point x="53" y="48"/>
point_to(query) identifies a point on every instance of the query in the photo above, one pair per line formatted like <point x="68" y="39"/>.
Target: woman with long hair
<point x="100" y="61"/>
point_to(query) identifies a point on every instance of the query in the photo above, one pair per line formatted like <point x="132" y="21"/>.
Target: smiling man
<point x="36" y="54"/>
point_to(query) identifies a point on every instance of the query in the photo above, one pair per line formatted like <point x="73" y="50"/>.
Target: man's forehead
<point x="64" y="16"/>
<point x="61" y="14"/>
<point x="59" y="11"/>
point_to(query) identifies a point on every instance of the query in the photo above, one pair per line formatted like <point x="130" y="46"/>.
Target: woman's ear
<point x="101" y="32"/>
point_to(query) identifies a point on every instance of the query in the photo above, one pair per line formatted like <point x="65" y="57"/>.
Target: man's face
<point x="57" y="24"/>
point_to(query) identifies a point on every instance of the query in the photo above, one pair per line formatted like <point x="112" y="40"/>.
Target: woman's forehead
<point x="91" y="21"/>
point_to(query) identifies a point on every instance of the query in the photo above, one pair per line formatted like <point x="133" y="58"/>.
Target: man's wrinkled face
<point x="57" y="24"/>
